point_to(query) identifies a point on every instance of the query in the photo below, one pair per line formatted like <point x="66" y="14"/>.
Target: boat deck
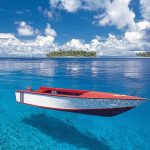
<point x="61" y="92"/>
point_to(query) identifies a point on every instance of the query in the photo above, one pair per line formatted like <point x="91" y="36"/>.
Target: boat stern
<point x="19" y="96"/>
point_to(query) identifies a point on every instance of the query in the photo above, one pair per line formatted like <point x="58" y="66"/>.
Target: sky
<point x="109" y="27"/>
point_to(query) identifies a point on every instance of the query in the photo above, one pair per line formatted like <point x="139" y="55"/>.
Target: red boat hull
<point x="109" y="112"/>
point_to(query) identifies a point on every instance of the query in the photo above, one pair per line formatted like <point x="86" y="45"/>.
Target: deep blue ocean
<point x="24" y="127"/>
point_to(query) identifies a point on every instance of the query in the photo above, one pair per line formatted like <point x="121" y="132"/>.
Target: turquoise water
<point x="25" y="127"/>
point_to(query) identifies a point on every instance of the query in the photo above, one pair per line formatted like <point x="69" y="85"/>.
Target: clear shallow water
<point x="25" y="127"/>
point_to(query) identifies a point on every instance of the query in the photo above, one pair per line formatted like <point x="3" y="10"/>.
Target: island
<point x="143" y="54"/>
<point x="71" y="53"/>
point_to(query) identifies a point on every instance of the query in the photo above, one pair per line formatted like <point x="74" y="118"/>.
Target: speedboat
<point x="78" y="101"/>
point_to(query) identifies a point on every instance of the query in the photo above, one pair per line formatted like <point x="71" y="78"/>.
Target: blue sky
<point x="112" y="28"/>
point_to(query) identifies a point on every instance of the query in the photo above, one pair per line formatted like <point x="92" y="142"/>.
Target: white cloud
<point x="138" y="36"/>
<point x="10" y="45"/>
<point x="71" y="5"/>
<point x="7" y="36"/>
<point x="68" y="5"/>
<point x="74" y="44"/>
<point x="143" y="25"/>
<point x="145" y="9"/>
<point x="133" y="37"/>
<point x="26" y="30"/>
<point x="117" y="13"/>
<point x="111" y="46"/>
<point x="44" y="40"/>
<point x="94" y="5"/>
<point x="126" y="45"/>
<point x="74" y="5"/>
<point x="49" y="31"/>
<point x="46" y="12"/>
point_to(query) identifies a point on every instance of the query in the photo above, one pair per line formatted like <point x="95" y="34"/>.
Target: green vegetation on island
<point x="71" y="53"/>
<point x="143" y="54"/>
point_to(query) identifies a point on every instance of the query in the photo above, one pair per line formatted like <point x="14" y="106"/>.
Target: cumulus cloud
<point x="117" y="13"/>
<point x="49" y="31"/>
<point x="7" y="36"/>
<point x="26" y="30"/>
<point x="74" y="5"/>
<point x="114" y="46"/>
<point x="46" y="12"/>
<point x="113" y="13"/>
<point x="11" y="45"/>
<point x="143" y="25"/>
<point x="128" y="44"/>
<point x="70" y="6"/>
<point x="111" y="46"/>
<point x="145" y="9"/>
<point x="139" y="37"/>
<point x="94" y="5"/>
<point x="74" y="44"/>
<point x="135" y="35"/>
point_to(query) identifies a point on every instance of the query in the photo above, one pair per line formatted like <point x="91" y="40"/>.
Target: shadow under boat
<point x="63" y="132"/>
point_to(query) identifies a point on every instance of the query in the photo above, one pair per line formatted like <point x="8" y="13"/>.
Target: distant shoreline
<point x="98" y="57"/>
<point x="71" y="53"/>
<point x="72" y="57"/>
<point x="143" y="54"/>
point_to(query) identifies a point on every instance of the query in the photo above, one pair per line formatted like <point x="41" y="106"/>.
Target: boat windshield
<point x="63" y="92"/>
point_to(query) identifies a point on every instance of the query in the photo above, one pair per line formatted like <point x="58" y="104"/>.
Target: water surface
<point x="26" y="127"/>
